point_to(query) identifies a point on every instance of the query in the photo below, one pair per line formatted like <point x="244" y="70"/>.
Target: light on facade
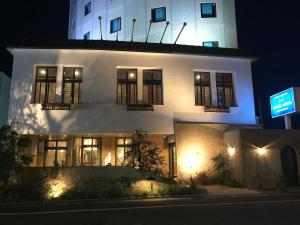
<point x="192" y="161"/>
<point x="231" y="151"/>
<point x="56" y="188"/>
<point x="261" y="151"/>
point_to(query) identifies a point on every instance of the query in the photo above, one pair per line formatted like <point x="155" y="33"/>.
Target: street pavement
<point x="226" y="210"/>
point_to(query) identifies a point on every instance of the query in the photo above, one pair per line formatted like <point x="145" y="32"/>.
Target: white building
<point x="4" y="97"/>
<point x="79" y="96"/>
<point x="209" y="23"/>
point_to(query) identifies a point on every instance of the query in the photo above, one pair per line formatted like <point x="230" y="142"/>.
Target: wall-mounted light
<point x="261" y="151"/>
<point x="231" y="151"/>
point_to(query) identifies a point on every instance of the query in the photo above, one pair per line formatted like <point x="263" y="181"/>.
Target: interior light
<point x="231" y="151"/>
<point x="198" y="77"/>
<point x="77" y="73"/>
<point x="43" y="72"/>
<point x="132" y="75"/>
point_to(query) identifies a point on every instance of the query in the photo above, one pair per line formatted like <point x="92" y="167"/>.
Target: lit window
<point x="87" y="36"/>
<point x="158" y="14"/>
<point x="153" y="89"/>
<point x="87" y="8"/>
<point x="208" y="10"/>
<point x="56" y="153"/>
<point x="45" y="85"/>
<point x="115" y="25"/>
<point x="211" y="44"/>
<point x="127" y="87"/>
<point x="72" y="80"/>
<point x="225" y="92"/>
<point x="202" y="89"/>
<point x="91" y="152"/>
<point x="123" y="146"/>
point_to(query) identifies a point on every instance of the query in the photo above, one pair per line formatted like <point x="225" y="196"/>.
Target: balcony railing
<point x="56" y="106"/>
<point x="140" y="107"/>
<point x="217" y="109"/>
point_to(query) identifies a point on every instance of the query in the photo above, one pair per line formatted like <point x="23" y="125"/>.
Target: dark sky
<point x="269" y="29"/>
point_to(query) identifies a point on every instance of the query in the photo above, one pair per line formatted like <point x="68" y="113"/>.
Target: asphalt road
<point x="263" y="210"/>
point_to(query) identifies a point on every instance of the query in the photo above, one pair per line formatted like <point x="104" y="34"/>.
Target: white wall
<point x="198" y="30"/>
<point x="4" y="97"/>
<point x="99" y="113"/>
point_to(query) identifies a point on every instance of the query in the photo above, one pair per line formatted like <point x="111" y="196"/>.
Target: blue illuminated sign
<point x="283" y="103"/>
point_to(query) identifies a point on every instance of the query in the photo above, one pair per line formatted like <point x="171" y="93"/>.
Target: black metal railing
<point x="140" y="107"/>
<point x="217" y="109"/>
<point x="56" y="106"/>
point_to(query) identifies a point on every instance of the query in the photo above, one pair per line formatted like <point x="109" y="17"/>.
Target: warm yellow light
<point x="77" y="73"/>
<point x="43" y="72"/>
<point x="132" y="75"/>
<point x="261" y="151"/>
<point x="231" y="151"/>
<point x="198" y="77"/>
<point x="56" y="188"/>
<point x="191" y="162"/>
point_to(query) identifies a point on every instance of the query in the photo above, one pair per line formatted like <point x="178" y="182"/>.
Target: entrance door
<point x="289" y="166"/>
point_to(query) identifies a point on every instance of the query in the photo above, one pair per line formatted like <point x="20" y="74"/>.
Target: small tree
<point x="222" y="168"/>
<point x="12" y="152"/>
<point x="143" y="154"/>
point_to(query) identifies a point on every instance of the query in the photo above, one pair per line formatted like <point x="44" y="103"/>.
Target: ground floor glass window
<point x="56" y="153"/>
<point x="123" y="145"/>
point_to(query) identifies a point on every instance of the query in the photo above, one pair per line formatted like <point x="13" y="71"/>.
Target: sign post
<point x="285" y="104"/>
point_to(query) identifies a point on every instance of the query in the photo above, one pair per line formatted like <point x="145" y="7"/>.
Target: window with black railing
<point x="45" y="85"/>
<point x="202" y="89"/>
<point x="225" y="90"/>
<point x="72" y="79"/>
<point x="153" y="88"/>
<point x="127" y="87"/>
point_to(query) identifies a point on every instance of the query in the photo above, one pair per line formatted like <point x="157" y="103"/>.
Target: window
<point x="72" y="80"/>
<point x="123" y="146"/>
<point x="158" y="14"/>
<point x="202" y="89"/>
<point x="115" y="25"/>
<point x="213" y="44"/>
<point x="87" y="8"/>
<point x="56" y="153"/>
<point x="87" y="36"/>
<point x="127" y="87"/>
<point x="91" y="152"/>
<point x="208" y="10"/>
<point x="45" y="85"/>
<point x="225" y="91"/>
<point x="153" y="90"/>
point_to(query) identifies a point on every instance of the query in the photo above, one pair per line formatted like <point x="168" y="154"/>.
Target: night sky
<point x="268" y="29"/>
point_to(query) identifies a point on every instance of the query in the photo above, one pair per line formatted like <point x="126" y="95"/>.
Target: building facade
<point x="4" y="97"/>
<point x="208" y="23"/>
<point x="81" y="104"/>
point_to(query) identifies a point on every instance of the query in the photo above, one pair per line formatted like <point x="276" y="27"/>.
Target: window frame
<point x="202" y="85"/>
<point x="127" y="82"/>
<point x="214" y="10"/>
<point x="72" y="82"/>
<point x="56" y="149"/>
<point x="224" y="86"/>
<point x="124" y="146"/>
<point x="88" y="8"/>
<point x="111" y="25"/>
<point x="153" y="15"/>
<point x="99" y="150"/>
<point x="47" y="81"/>
<point x="151" y="83"/>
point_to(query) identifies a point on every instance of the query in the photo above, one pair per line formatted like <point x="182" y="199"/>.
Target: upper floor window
<point x="225" y="91"/>
<point x="208" y="10"/>
<point x="127" y="87"/>
<point x="153" y="89"/>
<point x="211" y="44"/>
<point x="87" y="36"/>
<point x="45" y="85"/>
<point x="88" y="8"/>
<point x="123" y="146"/>
<point x="72" y="79"/>
<point x="56" y="153"/>
<point x="115" y="25"/>
<point x="158" y="14"/>
<point x="202" y="89"/>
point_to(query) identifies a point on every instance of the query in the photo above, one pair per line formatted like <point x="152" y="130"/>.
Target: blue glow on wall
<point x="283" y="103"/>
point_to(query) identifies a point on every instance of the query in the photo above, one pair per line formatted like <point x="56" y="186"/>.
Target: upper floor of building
<point x="188" y="22"/>
<point x="107" y="87"/>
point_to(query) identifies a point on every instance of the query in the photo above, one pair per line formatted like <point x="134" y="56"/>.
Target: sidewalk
<point x="220" y="190"/>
